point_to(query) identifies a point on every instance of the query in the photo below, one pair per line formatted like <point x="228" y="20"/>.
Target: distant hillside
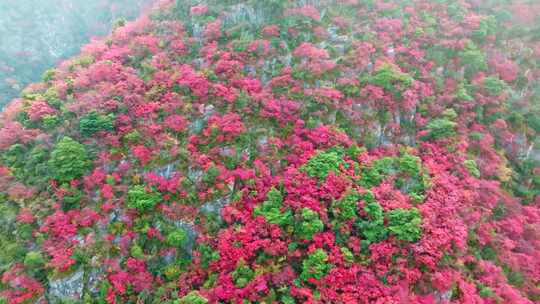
<point x="36" y="34"/>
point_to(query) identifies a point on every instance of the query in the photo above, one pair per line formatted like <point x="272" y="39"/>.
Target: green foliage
<point x="69" y="160"/>
<point x="347" y="206"/>
<point x="208" y="255"/>
<point x="405" y="224"/>
<point x="372" y="226"/>
<point x="33" y="259"/>
<point x="440" y="55"/>
<point x="494" y="86"/>
<point x="390" y="79"/>
<point x="242" y="275"/>
<point x="348" y="256"/>
<point x="515" y="278"/>
<point x="133" y="136"/>
<point x="473" y="59"/>
<point x="315" y="265"/>
<point x="73" y="197"/>
<point x="462" y="93"/>
<point x="177" y="238"/>
<point x="488" y="27"/>
<point x="93" y="122"/>
<point x="410" y="176"/>
<point x="192" y="298"/>
<point x="271" y="209"/>
<point x="48" y="75"/>
<point x="28" y="165"/>
<point x="374" y="174"/>
<point x="322" y="163"/>
<point x="470" y="165"/>
<point x="51" y="121"/>
<point x="172" y="271"/>
<point x="485" y="292"/>
<point x="142" y="200"/>
<point x="211" y="174"/>
<point x="309" y="224"/>
<point x="136" y="251"/>
<point x="440" y="128"/>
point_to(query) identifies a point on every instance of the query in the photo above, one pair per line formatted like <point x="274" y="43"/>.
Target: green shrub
<point x="177" y="238"/>
<point x="376" y="172"/>
<point x="372" y="227"/>
<point x="315" y="265"/>
<point x="488" y="27"/>
<point x="322" y="163"/>
<point x="309" y="224"/>
<point x="463" y="94"/>
<point x="136" y="251"/>
<point x="405" y="224"/>
<point x="440" y="128"/>
<point x="271" y="209"/>
<point x="242" y="275"/>
<point x="93" y="123"/>
<point x="390" y="79"/>
<point x="69" y="160"/>
<point x="142" y="200"/>
<point x="347" y="206"/>
<point x="494" y="86"/>
<point x="192" y="298"/>
<point x="470" y="165"/>
<point x="473" y="59"/>
<point x="33" y="259"/>
<point x="208" y="255"/>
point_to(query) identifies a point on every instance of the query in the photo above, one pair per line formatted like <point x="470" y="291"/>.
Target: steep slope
<point x="280" y="151"/>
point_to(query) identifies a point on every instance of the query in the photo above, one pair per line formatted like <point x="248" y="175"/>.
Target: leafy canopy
<point x="242" y="275"/>
<point x="309" y="224"/>
<point x="69" y="160"/>
<point x="315" y="266"/>
<point x="405" y="224"/>
<point x="93" y="123"/>
<point x="271" y="209"/>
<point x="142" y="200"/>
<point x="322" y="163"/>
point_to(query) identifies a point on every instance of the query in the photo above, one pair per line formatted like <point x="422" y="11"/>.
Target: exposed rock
<point x="217" y="205"/>
<point x="166" y="171"/>
<point x="191" y="233"/>
<point x="66" y="288"/>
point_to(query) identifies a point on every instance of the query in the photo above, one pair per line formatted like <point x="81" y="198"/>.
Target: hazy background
<point x="37" y="34"/>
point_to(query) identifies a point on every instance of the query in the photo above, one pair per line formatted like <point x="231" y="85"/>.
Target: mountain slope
<point x="280" y="151"/>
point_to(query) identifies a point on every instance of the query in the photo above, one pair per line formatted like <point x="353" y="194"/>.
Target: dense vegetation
<point x="349" y="151"/>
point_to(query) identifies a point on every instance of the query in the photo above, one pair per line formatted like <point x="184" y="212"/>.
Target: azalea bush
<point x="281" y="152"/>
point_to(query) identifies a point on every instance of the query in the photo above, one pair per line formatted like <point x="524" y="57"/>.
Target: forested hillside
<point x="310" y="151"/>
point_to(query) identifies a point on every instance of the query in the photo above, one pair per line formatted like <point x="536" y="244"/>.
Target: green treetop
<point x="315" y="265"/>
<point x="309" y="224"/>
<point x="140" y="199"/>
<point x="69" y="160"/>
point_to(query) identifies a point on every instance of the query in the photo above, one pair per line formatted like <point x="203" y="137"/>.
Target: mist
<point x="35" y="35"/>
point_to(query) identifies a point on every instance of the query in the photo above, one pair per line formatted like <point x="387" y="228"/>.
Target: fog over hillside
<point x="35" y="35"/>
